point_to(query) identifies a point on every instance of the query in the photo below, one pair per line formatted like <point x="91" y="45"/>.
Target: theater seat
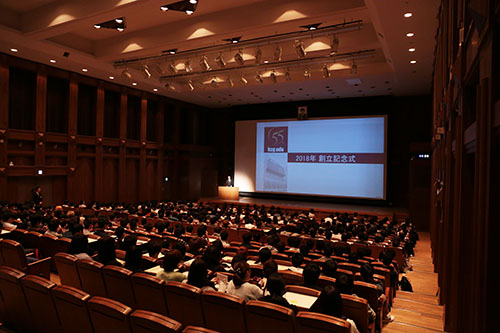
<point x="71" y="305"/>
<point x="291" y="277"/>
<point x="196" y="329"/>
<point x="39" y="298"/>
<point x="326" y="281"/>
<point x="268" y="317"/>
<point x="356" y="308"/>
<point x="233" y="308"/>
<point x="149" y="293"/>
<point x="11" y="291"/>
<point x="311" y="322"/>
<point x="302" y="290"/>
<point x="119" y="284"/>
<point x="369" y="292"/>
<point x="66" y="268"/>
<point x="13" y="255"/>
<point x="354" y="268"/>
<point x="91" y="277"/>
<point x="182" y="296"/>
<point x="143" y="321"/>
<point x="109" y="316"/>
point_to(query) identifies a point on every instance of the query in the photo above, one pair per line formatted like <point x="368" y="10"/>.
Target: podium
<point x="229" y="193"/>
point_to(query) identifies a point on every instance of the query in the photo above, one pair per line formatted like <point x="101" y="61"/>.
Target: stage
<point x="321" y="209"/>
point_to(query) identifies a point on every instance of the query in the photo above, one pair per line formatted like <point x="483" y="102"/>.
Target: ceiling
<point x="42" y="30"/>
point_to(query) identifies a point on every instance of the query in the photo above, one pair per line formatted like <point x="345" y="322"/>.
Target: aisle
<point x="418" y="311"/>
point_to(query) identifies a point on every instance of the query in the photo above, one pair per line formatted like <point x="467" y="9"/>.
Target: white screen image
<point x="341" y="157"/>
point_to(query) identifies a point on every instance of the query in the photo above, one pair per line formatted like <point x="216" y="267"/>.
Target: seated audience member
<point x="100" y="226"/>
<point x="311" y="275"/>
<point x="247" y="238"/>
<point x="304" y="250"/>
<point x="198" y="275"/>
<point x="345" y="284"/>
<point x="74" y="228"/>
<point x="79" y="247"/>
<point x="264" y="255"/>
<point x="223" y="238"/>
<point x="280" y="246"/>
<point x="196" y="246"/>
<point x="170" y="263"/>
<point x="367" y="276"/>
<point x="36" y="224"/>
<point x="329" y="268"/>
<point x="329" y="303"/>
<point x="153" y="248"/>
<point x="327" y="251"/>
<point x="133" y="259"/>
<point x="237" y="258"/>
<point x="212" y="257"/>
<point x="297" y="261"/>
<point x="293" y="243"/>
<point x="275" y="288"/>
<point x="53" y="228"/>
<point x="106" y="252"/>
<point x="240" y="285"/>
<point x="128" y="241"/>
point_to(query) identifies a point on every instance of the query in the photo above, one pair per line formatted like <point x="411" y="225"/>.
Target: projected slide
<point x="336" y="157"/>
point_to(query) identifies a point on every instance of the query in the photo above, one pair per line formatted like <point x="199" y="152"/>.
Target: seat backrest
<point x="182" y="296"/>
<point x="119" y="284"/>
<point x="356" y="308"/>
<point x="91" y="277"/>
<point x="13" y="254"/>
<point x="233" y="308"/>
<point x="71" y="305"/>
<point x="291" y="277"/>
<point x="143" y="321"/>
<point x="19" y="235"/>
<point x="326" y="281"/>
<point x="196" y="329"/>
<point x="32" y="240"/>
<point x="311" y="322"/>
<point x="268" y="317"/>
<point x="109" y="316"/>
<point x="149" y="293"/>
<point x="302" y="290"/>
<point x="66" y="268"/>
<point x="367" y="291"/>
<point x="11" y="291"/>
<point x="37" y="291"/>
<point x="354" y="268"/>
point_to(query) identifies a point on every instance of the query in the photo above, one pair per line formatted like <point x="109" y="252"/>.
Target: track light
<point x="229" y="82"/>
<point x="146" y="71"/>
<point x="220" y="61"/>
<point x="190" y="85"/>
<point x="189" y="12"/>
<point x="334" y="47"/>
<point x="354" y="67"/>
<point x="299" y="47"/>
<point x="170" y="86"/>
<point x="258" y="56"/>
<point x="307" y="74"/>
<point x="204" y="64"/>
<point x="97" y="26"/>
<point x="243" y="80"/>
<point x="259" y="78"/>
<point x="311" y="27"/>
<point x="172" y="69"/>
<point x="214" y="83"/>
<point x="326" y="72"/>
<point x="238" y="57"/>
<point x="287" y="75"/>
<point x="119" y="20"/>
<point x="273" y="77"/>
<point x="193" y="2"/>
<point x="187" y="67"/>
<point x="277" y="52"/>
<point x="126" y="74"/>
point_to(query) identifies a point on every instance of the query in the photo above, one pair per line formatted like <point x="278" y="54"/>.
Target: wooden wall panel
<point x="132" y="183"/>
<point x="150" y="179"/>
<point x="110" y="180"/>
<point x="84" y="179"/>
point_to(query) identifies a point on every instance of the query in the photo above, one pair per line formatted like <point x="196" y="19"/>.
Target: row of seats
<point x="31" y="303"/>
<point x="12" y="254"/>
<point x="146" y="292"/>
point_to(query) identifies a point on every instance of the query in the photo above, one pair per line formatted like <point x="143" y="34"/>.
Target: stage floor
<point x="326" y="207"/>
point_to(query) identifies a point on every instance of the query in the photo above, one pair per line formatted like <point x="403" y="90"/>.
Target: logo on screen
<point x="276" y="139"/>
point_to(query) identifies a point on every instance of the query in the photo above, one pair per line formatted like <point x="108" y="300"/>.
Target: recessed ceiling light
<point x="155" y="89"/>
<point x="85" y="70"/>
<point x="193" y="2"/>
<point x="52" y="61"/>
<point x="408" y="14"/>
<point x="266" y="61"/>
<point x="119" y="20"/>
<point x="134" y="83"/>
<point x="111" y="77"/>
<point x="411" y="49"/>
<point x="13" y="50"/>
<point x="97" y="26"/>
<point x="413" y="61"/>
<point x="120" y="29"/>
<point x="410" y="34"/>
<point x="189" y="12"/>
<point x="164" y="8"/>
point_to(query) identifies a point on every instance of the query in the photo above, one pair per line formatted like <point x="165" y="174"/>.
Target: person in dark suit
<point x="37" y="196"/>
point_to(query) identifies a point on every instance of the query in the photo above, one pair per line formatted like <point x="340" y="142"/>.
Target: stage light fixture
<point x="117" y="24"/>
<point x="214" y="83"/>
<point x="277" y="52"/>
<point x="354" y="67"/>
<point x="287" y="75"/>
<point x="187" y="66"/>
<point x="229" y="82"/>
<point x="146" y="71"/>
<point x="193" y="2"/>
<point x="334" y="47"/>
<point x="204" y="64"/>
<point x="170" y="87"/>
<point x="307" y="73"/>
<point x="190" y="85"/>
<point x="120" y="29"/>
<point x="220" y="61"/>
<point x="189" y="12"/>
<point x="172" y="69"/>
<point x="326" y="72"/>
<point x="243" y="80"/>
<point x="126" y="74"/>
<point x="311" y="27"/>
<point x="238" y="57"/>
<point x="274" y="77"/>
<point x="233" y="40"/>
<point x="259" y="78"/>
<point x="258" y="55"/>
<point x="299" y="47"/>
<point x="97" y="26"/>
<point x="119" y="20"/>
<point x="164" y="8"/>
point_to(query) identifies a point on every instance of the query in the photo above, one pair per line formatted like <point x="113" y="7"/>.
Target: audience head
<point x="344" y="284"/>
<point x="79" y="244"/>
<point x="171" y="260"/>
<point x="275" y="285"/>
<point x="367" y="272"/>
<point x="311" y="274"/>
<point x="241" y="273"/>
<point x="297" y="259"/>
<point x="329" y="302"/>
<point x="264" y="254"/>
<point x="106" y="249"/>
<point x="133" y="258"/>
<point x="329" y="268"/>
<point x="198" y="273"/>
<point x="247" y="238"/>
<point x="269" y="267"/>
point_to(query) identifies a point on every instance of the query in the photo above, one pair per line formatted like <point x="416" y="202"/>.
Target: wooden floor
<point x="418" y="311"/>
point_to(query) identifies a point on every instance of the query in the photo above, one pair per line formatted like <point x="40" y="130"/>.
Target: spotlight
<point x="190" y="85"/>
<point x="204" y="64"/>
<point x="410" y="34"/>
<point x="409" y="14"/>
<point x="126" y="74"/>
<point x="311" y="27"/>
<point x="233" y="40"/>
<point x="287" y="75"/>
<point x="119" y="20"/>
<point x="170" y="86"/>
<point x="273" y="77"/>
<point x="134" y="83"/>
<point x="214" y="83"/>
<point x="147" y="72"/>
<point x="193" y="2"/>
<point x="171" y="51"/>
<point x="120" y="29"/>
<point x="229" y="82"/>
<point x="220" y="61"/>
<point x="243" y="80"/>
<point x="172" y="69"/>
<point x="413" y="61"/>
<point x="259" y="78"/>
<point x="299" y="47"/>
<point x="238" y="57"/>
<point x="326" y="72"/>
<point x="277" y="53"/>
<point x="354" y="67"/>
<point x="97" y="26"/>
<point x="258" y="56"/>
<point x="40" y="172"/>
<point x="189" y="12"/>
<point x="334" y="47"/>
<point x="164" y="8"/>
<point x="307" y="74"/>
<point x="187" y="67"/>
<point x="53" y="61"/>
<point x="13" y="50"/>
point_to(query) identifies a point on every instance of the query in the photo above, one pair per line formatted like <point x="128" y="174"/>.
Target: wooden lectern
<point x="229" y="193"/>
